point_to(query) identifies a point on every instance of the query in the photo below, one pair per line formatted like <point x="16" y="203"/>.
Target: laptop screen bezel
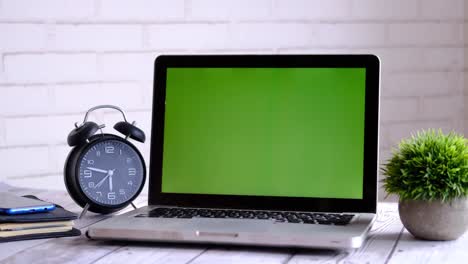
<point x="371" y="130"/>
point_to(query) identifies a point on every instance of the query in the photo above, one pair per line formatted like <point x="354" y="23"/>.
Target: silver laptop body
<point x="210" y="218"/>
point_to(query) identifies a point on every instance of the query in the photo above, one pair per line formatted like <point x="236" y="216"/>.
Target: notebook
<point x="56" y="223"/>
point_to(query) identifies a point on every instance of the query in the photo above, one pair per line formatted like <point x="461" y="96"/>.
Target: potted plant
<point x="429" y="173"/>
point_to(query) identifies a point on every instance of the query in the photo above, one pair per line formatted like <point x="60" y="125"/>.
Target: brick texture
<point x="50" y="68"/>
<point x="385" y="10"/>
<point x="140" y="10"/>
<point x="187" y="36"/>
<point x="311" y="9"/>
<point x="50" y="10"/>
<point x="96" y="37"/>
<point x="22" y="37"/>
<point x="60" y="57"/>
<point x="226" y="10"/>
<point x="424" y="34"/>
<point x="438" y="9"/>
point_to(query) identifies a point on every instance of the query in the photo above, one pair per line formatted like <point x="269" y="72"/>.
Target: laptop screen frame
<point x="368" y="202"/>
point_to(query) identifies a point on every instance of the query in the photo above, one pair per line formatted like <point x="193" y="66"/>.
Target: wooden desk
<point x="388" y="242"/>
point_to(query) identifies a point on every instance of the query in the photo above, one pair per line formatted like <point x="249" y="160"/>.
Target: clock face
<point x="110" y="172"/>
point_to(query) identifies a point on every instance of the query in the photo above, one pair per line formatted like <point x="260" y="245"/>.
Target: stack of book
<point x="56" y="223"/>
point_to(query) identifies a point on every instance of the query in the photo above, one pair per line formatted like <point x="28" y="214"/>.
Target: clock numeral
<point x="87" y="173"/>
<point x="130" y="183"/>
<point x="122" y="191"/>
<point x="91" y="185"/>
<point x="120" y="152"/>
<point x="109" y="149"/>
<point x="90" y="162"/>
<point x="100" y="193"/>
<point x="131" y="171"/>
<point x="111" y="195"/>
<point x="98" y="153"/>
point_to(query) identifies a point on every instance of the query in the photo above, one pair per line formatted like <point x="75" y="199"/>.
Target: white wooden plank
<point x="5" y="187"/>
<point x="12" y="248"/>
<point x="377" y="249"/>
<point x="381" y="240"/>
<point x="153" y="253"/>
<point x="157" y="254"/>
<point x="244" y="255"/>
<point x="412" y="250"/>
<point x="63" y="250"/>
<point x="319" y="256"/>
<point x="71" y="249"/>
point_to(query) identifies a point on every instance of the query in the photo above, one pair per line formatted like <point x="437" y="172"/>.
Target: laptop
<point x="265" y="150"/>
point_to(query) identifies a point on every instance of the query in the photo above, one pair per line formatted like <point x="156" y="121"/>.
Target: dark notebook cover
<point x="59" y="214"/>
<point x="73" y="232"/>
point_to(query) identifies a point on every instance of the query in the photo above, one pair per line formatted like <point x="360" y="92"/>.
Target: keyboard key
<point x="233" y="214"/>
<point x="263" y="216"/>
<point x="293" y="220"/>
<point x="184" y="216"/>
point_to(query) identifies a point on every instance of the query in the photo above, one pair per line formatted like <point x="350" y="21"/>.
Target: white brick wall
<point x="60" y="57"/>
<point x="50" y="67"/>
<point x="451" y="9"/>
<point x="311" y="9"/>
<point x="46" y="10"/>
<point x="423" y="34"/>
<point x="143" y="11"/>
<point x="386" y="10"/>
<point x="22" y="37"/>
<point x="214" y="10"/>
<point x="96" y="37"/>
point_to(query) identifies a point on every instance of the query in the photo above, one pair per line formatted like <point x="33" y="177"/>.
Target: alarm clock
<point x="104" y="172"/>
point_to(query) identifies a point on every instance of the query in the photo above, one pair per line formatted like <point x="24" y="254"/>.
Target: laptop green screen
<point x="290" y="132"/>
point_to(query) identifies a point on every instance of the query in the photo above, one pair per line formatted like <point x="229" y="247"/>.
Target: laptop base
<point x="232" y="231"/>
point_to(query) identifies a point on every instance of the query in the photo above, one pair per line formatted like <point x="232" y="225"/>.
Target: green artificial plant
<point x="429" y="166"/>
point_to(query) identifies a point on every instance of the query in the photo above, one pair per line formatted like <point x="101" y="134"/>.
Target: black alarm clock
<point x="104" y="172"/>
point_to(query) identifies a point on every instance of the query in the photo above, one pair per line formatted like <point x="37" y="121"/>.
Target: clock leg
<point x="134" y="207"/>
<point x="85" y="209"/>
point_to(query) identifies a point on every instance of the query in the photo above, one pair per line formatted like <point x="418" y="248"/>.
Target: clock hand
<point x="111" y="172"/>
<point x="97" y="170"/>
<point x="102" y="181"/>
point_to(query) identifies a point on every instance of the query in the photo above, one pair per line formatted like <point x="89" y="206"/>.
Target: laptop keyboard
<point x="278" y="216"/>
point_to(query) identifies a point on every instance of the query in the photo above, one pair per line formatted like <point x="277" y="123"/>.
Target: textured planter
<point x="435" y="220"/>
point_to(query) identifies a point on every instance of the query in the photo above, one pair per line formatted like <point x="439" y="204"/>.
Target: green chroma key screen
<point x="292" y="132"/>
